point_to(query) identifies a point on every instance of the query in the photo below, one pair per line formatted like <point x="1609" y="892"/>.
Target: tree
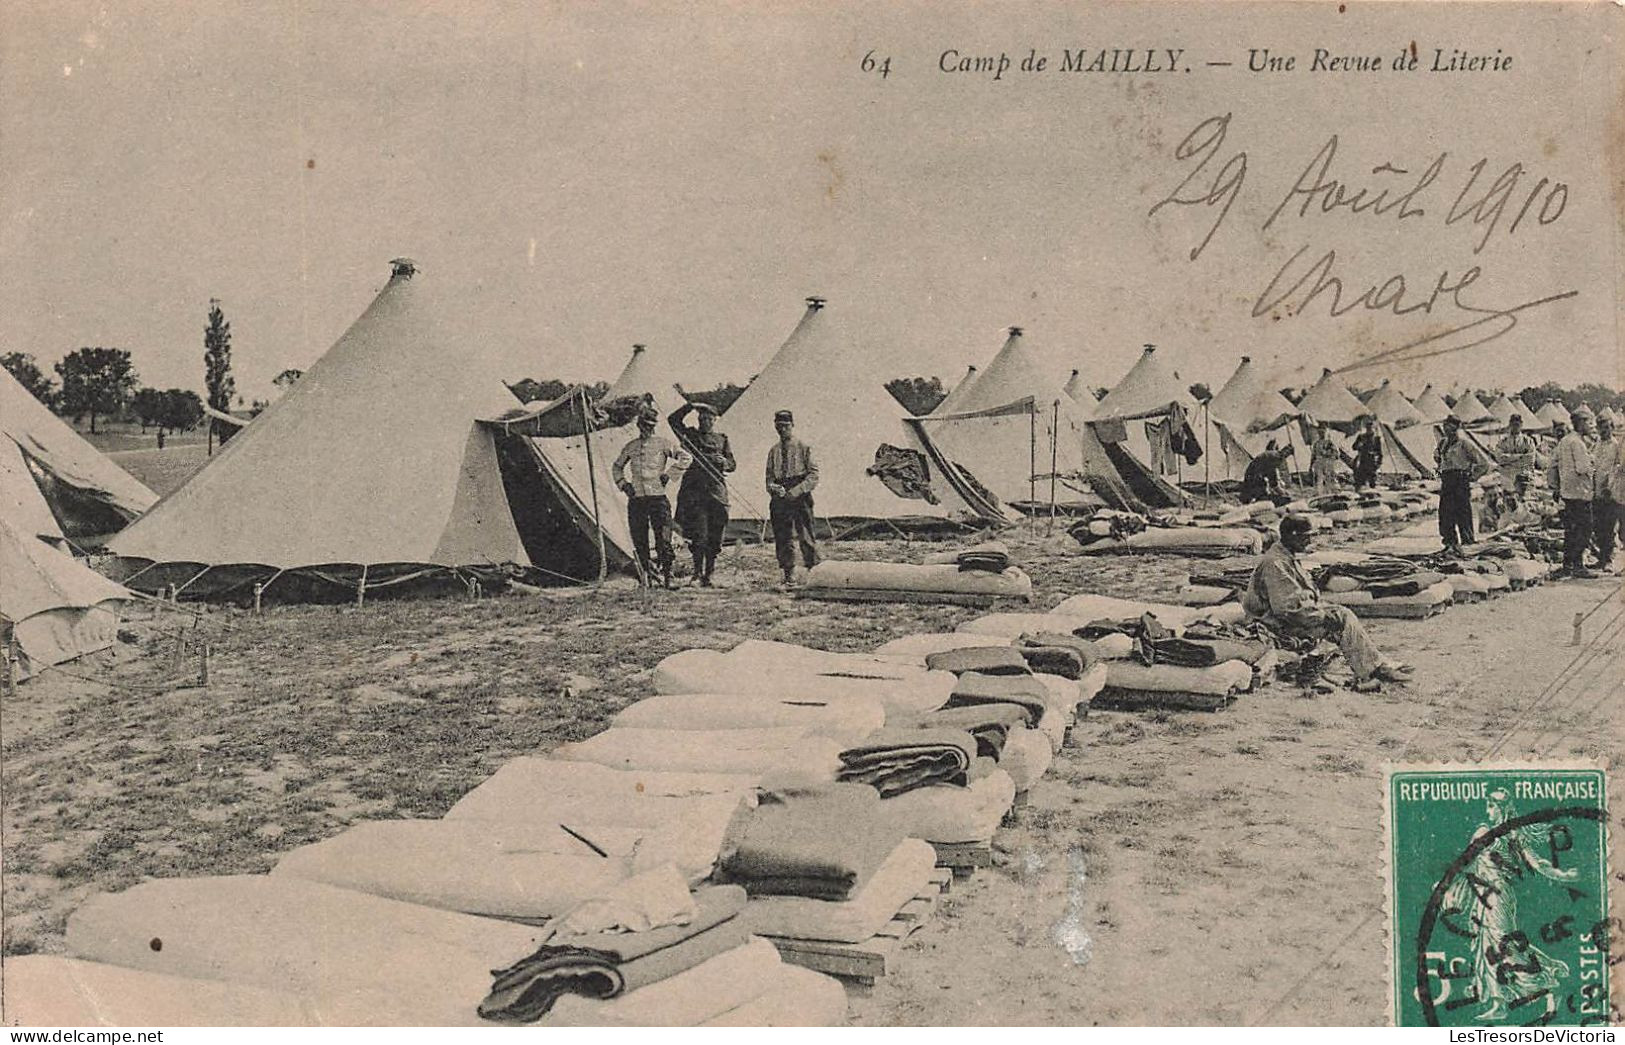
<point x="287" y="378"/>
<point x="918" y="395"/>
<point x="180" y="409"/>
<point x="719" y="398"/>
<point x="95" y="381"/>
<point x="217" y="379"/>
<point x="1201" y="392"/>
<point x="25" y="368"/>
<point x="148" y="407"/>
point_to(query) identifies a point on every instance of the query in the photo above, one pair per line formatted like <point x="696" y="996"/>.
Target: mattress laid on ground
<point x="1193" y="540"/>
<point x="795" y="997"/>
<point x="845" y="719"/>
<point x="949" y="814"/>
<point x="1106" y="607"/>
<point x="779" y="750"/>
<point x="358" y="959"/>
<point x="1218" y="680"/>
<point x="503" y="869"/>
<point x="1027" y="754"/>
<point x="899" y="687"/>
<point x="709" y="990"/>
<point x="900" y="878"/>
<point x="539" y="790"/>
<point x="915" y="648"/>
<point x="50" y="991"/>
<point x="847" y="574"/>
<point x="1425" y="602"/>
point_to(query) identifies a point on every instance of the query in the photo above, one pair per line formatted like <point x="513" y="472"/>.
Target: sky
<point x="583" y="177"/>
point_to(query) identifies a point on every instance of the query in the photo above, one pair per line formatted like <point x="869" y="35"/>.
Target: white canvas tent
<point x="1249" y="415"/>
<point x="1020" y="435"/>
<point x="1142" y="398"/>
<point x="1408" y="437"/>
<point x="1469" y="409"/>
<point x="1082" y="394"/>
<point x="1330" y="402"/>
<point x="1552" y="412"/>
<point x="1431" y="405"/>
<point x="843" y="411"/>
<point x="53" y="484"/>
<point x="372" y="473"/>
<point x="53" y="609"/>
<point x="950" y="402"/>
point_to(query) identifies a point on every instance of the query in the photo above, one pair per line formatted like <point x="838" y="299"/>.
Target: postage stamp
<point x="1498" y="895"/>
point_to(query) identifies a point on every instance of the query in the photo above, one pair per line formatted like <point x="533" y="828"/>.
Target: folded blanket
<point x="787" y="749"/>
<point x="821" y="842"/>
<point x="605" y="965"/>
<point x="976" y="688"/>
<point x="1045" y="640"/>
<point x="1199" y="653"/>
<point x="900" y="878"/>
<point x="1065" y="661"/>
<point x="989" y="660"/>
<point x="989" y="724"/>
<point x="896" y="760"/>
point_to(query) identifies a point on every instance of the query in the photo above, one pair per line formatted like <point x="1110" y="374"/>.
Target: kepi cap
<point x="783" y="416"/>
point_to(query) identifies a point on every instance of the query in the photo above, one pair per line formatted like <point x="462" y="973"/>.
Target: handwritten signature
<point x="1318" y="192"/>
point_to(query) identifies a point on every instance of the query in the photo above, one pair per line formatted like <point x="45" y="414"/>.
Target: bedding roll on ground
<point x="1218" y="680"/>
<point x="795" y="997"/>
<point x="845" y="719"/>
<point x="948" y="814"/>
<point x="860" y="575"/>
<point x="899" y="687"/>
<point x="900" y="878"/>
<point x="49" y="991"/>
<point x="692" y="997"/>
<point x="778" y="750"/>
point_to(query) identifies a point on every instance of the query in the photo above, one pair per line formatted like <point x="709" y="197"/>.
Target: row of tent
<point x="401" y="460"/>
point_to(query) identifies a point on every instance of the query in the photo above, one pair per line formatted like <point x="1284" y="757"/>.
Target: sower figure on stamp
<point x="1367" y="454"/>
<point x="1458" y="467"/>
<point x="1283" y="595"/>
<point x="702" y="499"/>
<point x="791" y="475"/>
<point x="642" y="471"/>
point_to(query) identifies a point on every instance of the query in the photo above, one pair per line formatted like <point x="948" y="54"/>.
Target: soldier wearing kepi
<point x="642" y="471"/>
<point x="702" y="499"/>
<point x="791" y="475"/>
<point x="1458" y="467"/>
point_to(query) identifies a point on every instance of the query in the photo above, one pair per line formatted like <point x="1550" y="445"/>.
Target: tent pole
<point x="592" y="484"/>
<point x="1032" y="467"/>
<point x="1207" y="456"/>
<point x="1054" y="447"/>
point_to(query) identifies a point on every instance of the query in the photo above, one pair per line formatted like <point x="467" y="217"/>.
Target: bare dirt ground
<point x="1171" y="868"/>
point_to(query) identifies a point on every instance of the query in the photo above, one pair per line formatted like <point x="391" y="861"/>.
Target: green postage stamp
<point x="1498" y="896"/>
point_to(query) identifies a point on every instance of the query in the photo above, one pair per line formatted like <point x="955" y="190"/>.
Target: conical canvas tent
<point x="1330" y="402"/>
<point x="1501" y="409"/>
<point x="1408" y="437"/>
<point x="371" y="474"/>
<point x="1082" y="394"/>
<point x="950" y="402"/>
<point x="1469" y="409"/>
<point x="1146" y="394"/>
<point x="1610" y="415"/>
<point x="1392" y="408"/>
<point x="1431" y="406"/>
<point x="1552" y="412"/>
<point x="53" y="484"/>
<point x="644" y="377"/>
<point x="1024" y="438"/>
<point x="1531" y="422"/>
<point x="874" y="467"/>
<point x="52" y="608"/>
<point x="1249" y="415"/>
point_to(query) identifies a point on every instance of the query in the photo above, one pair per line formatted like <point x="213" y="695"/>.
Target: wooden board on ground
<point x="863" y="963"/>
<point x="952" y="598"/>
<point x="963" y="858"/>
<point x="1117" y="698"/>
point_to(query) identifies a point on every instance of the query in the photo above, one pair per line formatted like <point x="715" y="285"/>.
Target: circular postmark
<point x="1475" y="900"/>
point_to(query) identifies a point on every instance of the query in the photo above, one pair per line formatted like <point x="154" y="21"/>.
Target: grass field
<point x="1183" y="868"/>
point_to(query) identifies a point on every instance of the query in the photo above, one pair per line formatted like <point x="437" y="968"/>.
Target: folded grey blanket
<point x="821" y="842"/>
<point x="989" y="660"/>
<point x="897" y="760"/>
<point x="1026" y="691"/>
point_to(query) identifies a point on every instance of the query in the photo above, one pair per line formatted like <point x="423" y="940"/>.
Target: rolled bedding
<point x="781" y="750"/>
<point x="1204" y="594"/>
<point x="1405" y="547"/>
<point x="502" y="869"/>
<point x="822" y="843"/>
<point x="1524" y="569"/>
<point x="708" y="991"/>
<point x="358" y="959"/>
<point x="43" y="990"/>
<point x="795" y="997"/>
<point x="542" y="791"/>
<point x="900" y="878"/>
<point x="1025" y="691"/>
<point x="848" y="574"/>
<point x="608" y="964"/>
<point x="1011" y="626"/>
<point x="1218" y="680"/>
<point x="1107" y="607"/>
<point x="1202" y="540"/>
<point x="896" y="760"/>
<point x="947" y="814"/>
<point x="990" y="725"/>
<point x="842" y="718"/>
